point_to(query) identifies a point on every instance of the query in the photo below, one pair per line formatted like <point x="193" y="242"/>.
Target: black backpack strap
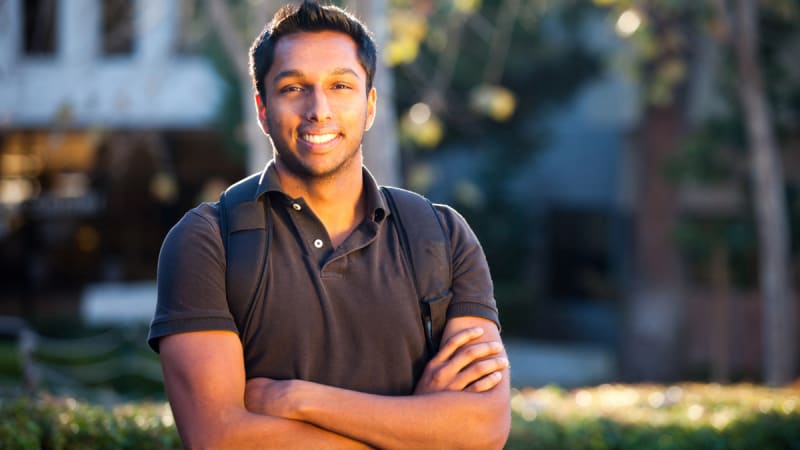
<point x="427" y="252"/>
<point x="245" y="235"/>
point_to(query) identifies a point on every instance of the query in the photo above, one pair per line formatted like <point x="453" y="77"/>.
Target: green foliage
<point x="65" y="423"/>
<point x="495" y="109"/>
<point x="9" y="360"/>
<point x="689" y="416"/>
<point x="621" y="417"/>
<point x="711" y="154"/>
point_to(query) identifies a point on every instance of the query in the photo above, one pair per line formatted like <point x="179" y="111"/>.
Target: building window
<point x="40" y="27"/>
<point x="118" y="26"/>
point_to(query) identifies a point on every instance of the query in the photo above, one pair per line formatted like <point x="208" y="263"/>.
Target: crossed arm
<point x="461" y="401"/>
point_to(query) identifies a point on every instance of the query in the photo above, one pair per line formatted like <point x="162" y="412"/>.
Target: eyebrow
<point x="298" y="74"/>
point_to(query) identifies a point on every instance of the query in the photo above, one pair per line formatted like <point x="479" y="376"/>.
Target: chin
<point x="322" y="170"/>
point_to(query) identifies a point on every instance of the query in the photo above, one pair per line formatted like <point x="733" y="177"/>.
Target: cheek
<point x="354" y="113"/>
<point x="277" y="122"/>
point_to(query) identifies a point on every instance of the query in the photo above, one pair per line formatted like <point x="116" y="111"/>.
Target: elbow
<point x="498" y="436"/>
<point x="494" y="433"/>
<point x="200" y="440"/>
<point x="494" y="424"/>
<point x="204" y="441"/>
<point x="205" y="435"/>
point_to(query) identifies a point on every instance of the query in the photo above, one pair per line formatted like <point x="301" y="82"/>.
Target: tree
<point x="381" y="152"/>
<point x="780" y="308"/>
<point x="476" y="81"/>
<point x="735" y="24"/>
<point x="236" y="47"/>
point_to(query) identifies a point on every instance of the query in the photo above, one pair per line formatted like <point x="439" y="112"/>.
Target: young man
<point x="333" y="354"/>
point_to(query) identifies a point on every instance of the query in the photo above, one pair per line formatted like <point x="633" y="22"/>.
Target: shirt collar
<point x="270" y="182"/>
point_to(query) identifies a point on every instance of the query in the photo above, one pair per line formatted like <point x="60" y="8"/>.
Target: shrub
<point x="618" y="417"/>
<point x="650" y="417"/>
<point x="65" y="423"/>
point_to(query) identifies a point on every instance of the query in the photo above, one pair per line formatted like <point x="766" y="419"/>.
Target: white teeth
<point x="319" y="138"/>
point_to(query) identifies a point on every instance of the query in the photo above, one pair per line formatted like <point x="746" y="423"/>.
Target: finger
<point x="471" y="353"/>
<point x="253" y="394"/>
<point x="486" y="383"/>
<point x="477" y="371"/>
<point x="258" y="382"/>
<point x="449" y="374"/>
<point x="457" y="341"/>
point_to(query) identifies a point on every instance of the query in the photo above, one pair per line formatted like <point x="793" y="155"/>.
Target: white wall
<point x="78" y="86"/>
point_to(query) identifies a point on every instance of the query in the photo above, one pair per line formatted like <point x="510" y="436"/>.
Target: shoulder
<point x="203" y="215"/>
<point x="200" y="220"/>
<point x="473" y="291"/>
<point x="196" y="233"/>
<point x="455" y="225"/>
<point x="415" y="209"/>
<point x="191" y="278"/>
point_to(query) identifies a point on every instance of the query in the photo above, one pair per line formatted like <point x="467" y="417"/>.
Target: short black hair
<point x="309" y="16"/>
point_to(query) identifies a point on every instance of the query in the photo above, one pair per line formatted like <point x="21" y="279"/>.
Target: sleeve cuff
<point x="473" y="309"/>
<point x="161" y="329"/>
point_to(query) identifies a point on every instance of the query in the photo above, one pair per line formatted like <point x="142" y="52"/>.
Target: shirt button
<point x="297" y="206"/>
<point x="318" y="243"/>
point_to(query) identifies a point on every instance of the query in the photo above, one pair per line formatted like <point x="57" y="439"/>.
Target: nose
<point x="319" y="109"/>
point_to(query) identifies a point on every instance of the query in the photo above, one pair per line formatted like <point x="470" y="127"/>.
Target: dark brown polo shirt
<point x="344" y="317"/>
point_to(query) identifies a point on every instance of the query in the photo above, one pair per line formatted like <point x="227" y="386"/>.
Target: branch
<point x="501" y="41"/>
<point x="235" y="47"/>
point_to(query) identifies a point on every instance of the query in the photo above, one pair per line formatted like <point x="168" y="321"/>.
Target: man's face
<point x="317" y="106"/>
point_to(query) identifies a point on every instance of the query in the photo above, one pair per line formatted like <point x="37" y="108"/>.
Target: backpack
<point x="245" y="236"/>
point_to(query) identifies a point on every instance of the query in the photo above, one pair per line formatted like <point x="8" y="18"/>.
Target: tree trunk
<point x="780" y="315"/>
<point x="381" y="152"/>
<point x="720" y="320"/>
<point x="236" y="47"/>
<point x="656" y="307"/>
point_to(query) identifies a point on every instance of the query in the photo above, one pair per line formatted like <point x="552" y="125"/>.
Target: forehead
<point x="315" y="52"/>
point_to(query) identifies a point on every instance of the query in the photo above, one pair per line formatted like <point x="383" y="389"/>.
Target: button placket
<point x="306" y="222"/>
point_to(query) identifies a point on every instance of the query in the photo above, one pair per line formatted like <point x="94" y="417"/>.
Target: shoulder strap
<point x="426" y="247"/>
<point x="244" y="229"/>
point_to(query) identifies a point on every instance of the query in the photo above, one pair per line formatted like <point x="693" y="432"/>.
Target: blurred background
<point x="631" y="168"/>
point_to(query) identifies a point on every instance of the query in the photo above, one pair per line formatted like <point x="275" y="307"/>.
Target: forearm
<point x="205" y="384"/>
<point x="438" y="420"/>
<point x="461" y="401"/>
<point x="242" y="429"/>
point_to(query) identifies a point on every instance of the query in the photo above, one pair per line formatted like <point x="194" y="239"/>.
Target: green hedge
<point x="688" y="416"/>
<point x="619" y="417"/>
<point x="64" y="423"/>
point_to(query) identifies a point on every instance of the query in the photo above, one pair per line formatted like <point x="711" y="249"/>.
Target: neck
<point x="337" y="201"/>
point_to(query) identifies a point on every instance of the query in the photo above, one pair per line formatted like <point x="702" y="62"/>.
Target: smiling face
<point x="317" y="106"/>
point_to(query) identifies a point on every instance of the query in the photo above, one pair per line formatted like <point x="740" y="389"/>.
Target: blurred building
<point x="107" y="134"/>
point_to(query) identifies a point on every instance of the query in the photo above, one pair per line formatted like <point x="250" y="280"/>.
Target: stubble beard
<point x="300" y="169"/>
<point x="304" y="171"/>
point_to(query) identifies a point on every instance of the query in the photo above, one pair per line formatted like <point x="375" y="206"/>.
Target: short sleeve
<point x="473" y="292"/>
<point x="191" y="278"/>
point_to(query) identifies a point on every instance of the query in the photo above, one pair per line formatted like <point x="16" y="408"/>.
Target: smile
<point x="319" y="139"/>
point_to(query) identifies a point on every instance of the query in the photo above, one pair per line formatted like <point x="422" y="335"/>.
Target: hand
<point x="461" y="365"/>
<point x="270" y="397"/>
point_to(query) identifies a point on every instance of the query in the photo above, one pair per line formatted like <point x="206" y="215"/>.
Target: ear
<point x="262" y="114"/>
<point x="372" y="101"/>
